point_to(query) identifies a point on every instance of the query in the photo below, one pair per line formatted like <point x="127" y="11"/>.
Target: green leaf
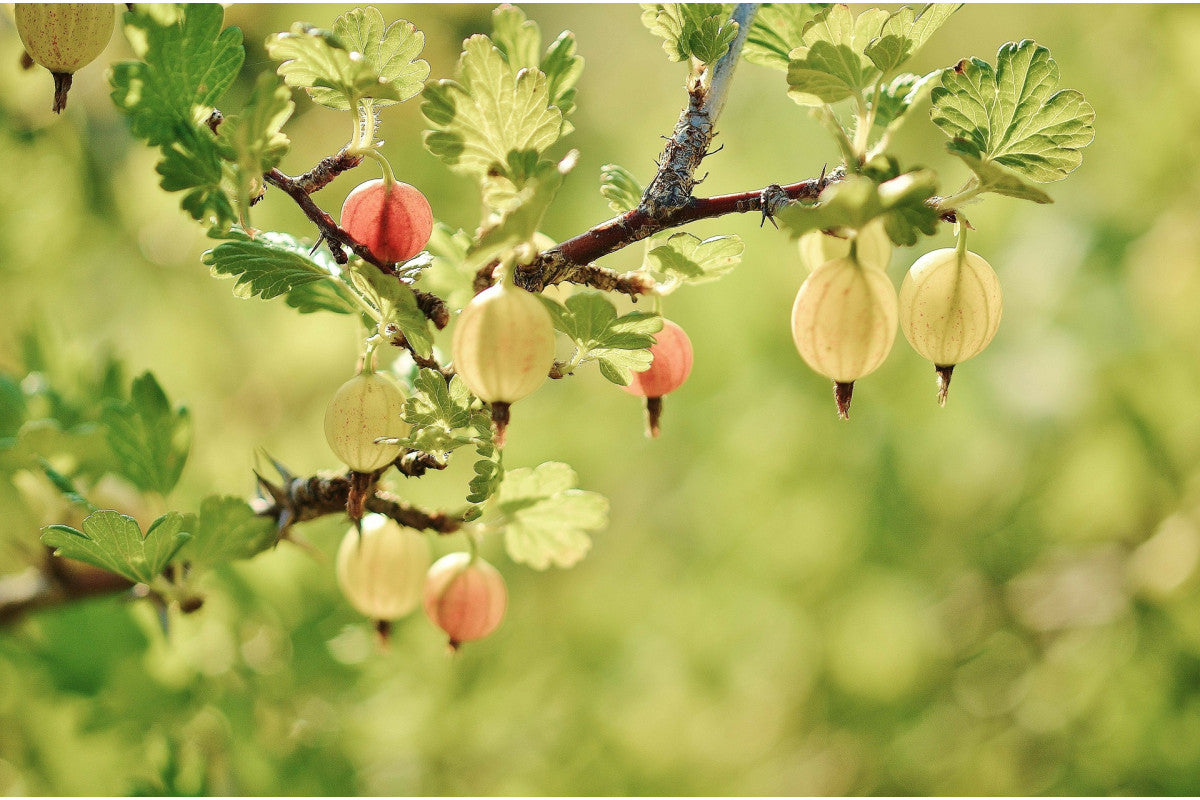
<point x="619" y="188"/>
<point x="547" y="519"/>
<point x="81" y="450"/>
<point x="149" y="439"/>
<point x="390" y="52"/>
<point x="831" y="64"/>
<point x="621" y="345"/>
<point x="905" y="32"/>
<point x="114" y="542"/>
<point x="435" y="410"/>
<point x="778" y="29"/>
<point x="492" y="118"/>
<point x="519" y="40"/>
<point x="684" y="258"/>
<point x="900" y="96"/>
<point x="521" y="220"/>
<point x="995" y="177"/>
<point x="1012" y="116"/>
<point x="396" y="303"/>
<point x="227" y="529"/>
<point x="855" y="201"/>
<point x="254" y="139"/>
<point x="274" y="264"/>
<point x="700" y="31"/>
<point x="12" y="407"/>
<point x="448" y="276"/>
<point x="489" y="469"/>
<point x="332" y="73"/>
<point x="186" y="64"/>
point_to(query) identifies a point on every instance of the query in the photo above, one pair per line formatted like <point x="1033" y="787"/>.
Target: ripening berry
<point x="64" y="37"/>
<point x="366" y="407"/>
<point x="382" y="571"/>
<point x="503" y="347"/>
<point x="670" y="365"/>
<point x="844" y="323"/>
<point x="465" y="597"/>
<point x="874" y="247"/>
<point x="394" y="223"/>
<point x="950" y="309"/>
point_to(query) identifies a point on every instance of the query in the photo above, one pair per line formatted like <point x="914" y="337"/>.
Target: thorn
<point x="283" y="471"/>
<point x="714" y="152"/>
<point x="943" y="380"/>
<point x="277" y="493"/>
<point x="842" y="393"/>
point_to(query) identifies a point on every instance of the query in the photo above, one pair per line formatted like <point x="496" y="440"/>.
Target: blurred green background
<point x="997" y="597"/>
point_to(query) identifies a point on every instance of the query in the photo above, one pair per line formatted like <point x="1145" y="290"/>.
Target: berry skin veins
<point x="366" y="407"/>
<point x="394" y="222"/>
<point x="465" y="596"/>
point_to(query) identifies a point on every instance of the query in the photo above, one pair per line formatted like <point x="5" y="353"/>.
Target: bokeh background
<point x="995" y="597"/>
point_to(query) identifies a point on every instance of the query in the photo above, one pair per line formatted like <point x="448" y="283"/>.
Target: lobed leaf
<point x="619" y="344"/>
<point x="899" y="96"/>
<point x="619" y="188"/>
<point x="492" y="118"/>
<point x="186" y="63"/>
<point x="546" y="518"/>
<point x="700" y="31"/>
<point x="905" y="32"/>
<point x="831" y="64"/>
<point x="274" y="264"/>
<point x="225" y="530"/>
<point x="778" y="29"/>
<point x="1012" y="116"/>
<point x="115" y="542"/>
<point x="254" y="139"/>
<point x="150" y="440"/>
<point x="684" y="258"/>
<point x="391" y="52"/>
<point x="332" y="73"/>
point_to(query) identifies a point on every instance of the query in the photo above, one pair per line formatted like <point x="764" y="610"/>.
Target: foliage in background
<point x="998" y="597"/>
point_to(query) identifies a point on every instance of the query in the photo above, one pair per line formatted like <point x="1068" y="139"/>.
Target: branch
<point x="304" y="499"/>
<point x="57" y="582"/>
<point x="570" y="260"/>
<point x="672" y="185"/>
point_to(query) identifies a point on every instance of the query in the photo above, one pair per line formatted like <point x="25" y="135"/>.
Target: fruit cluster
<point x="384" y="571"/>
<point x="845" y="316"/>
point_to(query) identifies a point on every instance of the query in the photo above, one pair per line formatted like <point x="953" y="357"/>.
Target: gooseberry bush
<point x="420" y="395"/>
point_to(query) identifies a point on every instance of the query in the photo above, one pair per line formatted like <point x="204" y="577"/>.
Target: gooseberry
<point x="503" y="347"/>
<point x="381" y="570"/>
<point x="950" y="308"/>
<point x="394" y="222"/>
<point x="844" y="323"/>
<point x="670" y="365"/>
<point x="874" y="248"/>
<point x="64" y="37"/>
<point x="465" y="596"/>
<point x="367" y="407"/>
